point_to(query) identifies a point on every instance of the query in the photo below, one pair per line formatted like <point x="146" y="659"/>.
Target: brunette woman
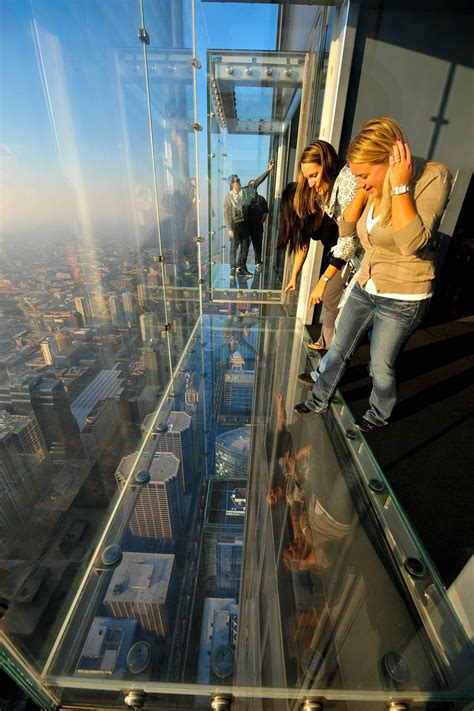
<point x="309" y="210"/>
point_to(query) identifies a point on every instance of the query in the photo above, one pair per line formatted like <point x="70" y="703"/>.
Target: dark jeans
<point x="392" y="321"/>
<point x="256" y="235"/>
<point x="240" y="239"/>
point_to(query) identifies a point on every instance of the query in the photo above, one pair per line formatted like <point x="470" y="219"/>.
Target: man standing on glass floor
<point x="236" y="204"/>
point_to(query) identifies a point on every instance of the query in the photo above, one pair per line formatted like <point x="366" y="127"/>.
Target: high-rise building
<point x="224" y="521"/>
<point x="115" y="308"/>
<point x="140" y="589"/>
<point x="101" y="424"/>
<point x="218" y="640"/>
<point x="238" y="391"/>
<point x="232" y="453"/>
<point x="82" y="305"/>
<point x="107" y="384"/>
<point x="159" y="510"/>
<point x="142" y="295"/>
<point x="151" y="363"/>
<point x="228" y="565"/>
<point x="22" y="452"/>
<point x="47" y="400"/>
<point x="48" y="350"/>
<point x="175" y="436"/>
<point x="105" y="650"/>
<point x="129" y="308"/>
<point x="149" y="327"/>
<point x="24" y="432"/>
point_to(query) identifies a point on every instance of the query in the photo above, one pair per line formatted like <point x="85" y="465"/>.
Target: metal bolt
<point x="414" y="567"/>
<point x="269" y="71"/>
<point x="221" y="703"/>
<point x="230" y="69"/>
<point x="111" y="555"/>
<point x="351" y="434"/>
<point x="142" y="477"/>
<point x="135" y="699"/>
<point x="248" y="70"/>
<point x="143" y="35"/>
<point x="309" y="705"/>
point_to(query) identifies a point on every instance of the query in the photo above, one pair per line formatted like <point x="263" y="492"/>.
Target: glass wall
<point x="100" y="289"/>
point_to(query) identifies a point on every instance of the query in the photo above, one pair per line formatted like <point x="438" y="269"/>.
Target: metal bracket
<point x="196" y="63"/>
<point x="143" y="35"/>
<point x="161" y="258"/>
<point x="166" y="327"/>
<point x="199" y="238"/>
<point x="197" y="126"/>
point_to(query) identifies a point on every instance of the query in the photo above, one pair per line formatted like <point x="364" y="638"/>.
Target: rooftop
<point x="141" y="578"/>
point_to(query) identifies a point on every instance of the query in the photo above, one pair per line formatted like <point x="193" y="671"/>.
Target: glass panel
<point x="254" y="101"/>
<point x="289" y="573"/>
<point x="85" y="355"/>
<point x="262" y="105"/>
<point x="171" y="250"/>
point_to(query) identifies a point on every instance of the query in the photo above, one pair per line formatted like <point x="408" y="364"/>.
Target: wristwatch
<point x="326" y="278"/>
<point x="400" y="190"/>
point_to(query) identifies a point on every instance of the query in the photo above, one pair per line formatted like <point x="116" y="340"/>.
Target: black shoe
<point x="243" y="271"/>
<point x="306" y="379"/>
<point x="364" y="425"/>
<point x="302" y="409"/>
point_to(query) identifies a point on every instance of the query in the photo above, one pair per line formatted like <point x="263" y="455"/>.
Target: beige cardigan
<point x="402" y="261"/>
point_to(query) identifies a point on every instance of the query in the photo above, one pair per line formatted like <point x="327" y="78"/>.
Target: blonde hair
<point x="374" y="144"/>
<point x="307" y="201"/>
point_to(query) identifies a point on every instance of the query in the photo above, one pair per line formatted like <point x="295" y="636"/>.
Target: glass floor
<point x="261" y="287"/>
<point x="246" y="553"/>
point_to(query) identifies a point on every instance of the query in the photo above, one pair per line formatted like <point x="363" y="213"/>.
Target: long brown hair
<point x="294" y="232"/>
<point x="307" y="200"/>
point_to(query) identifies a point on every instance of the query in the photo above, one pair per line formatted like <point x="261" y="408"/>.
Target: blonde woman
<point x="398" y="206"/>
<point x="309" y="210"/>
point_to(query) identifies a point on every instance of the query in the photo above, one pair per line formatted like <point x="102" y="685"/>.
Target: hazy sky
<point x="74" y="138"/>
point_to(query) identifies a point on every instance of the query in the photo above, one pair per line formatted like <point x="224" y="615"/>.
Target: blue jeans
<point x="392" y="322"/>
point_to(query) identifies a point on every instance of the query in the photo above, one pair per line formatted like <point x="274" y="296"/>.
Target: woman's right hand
<point x="291" y="286"/>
